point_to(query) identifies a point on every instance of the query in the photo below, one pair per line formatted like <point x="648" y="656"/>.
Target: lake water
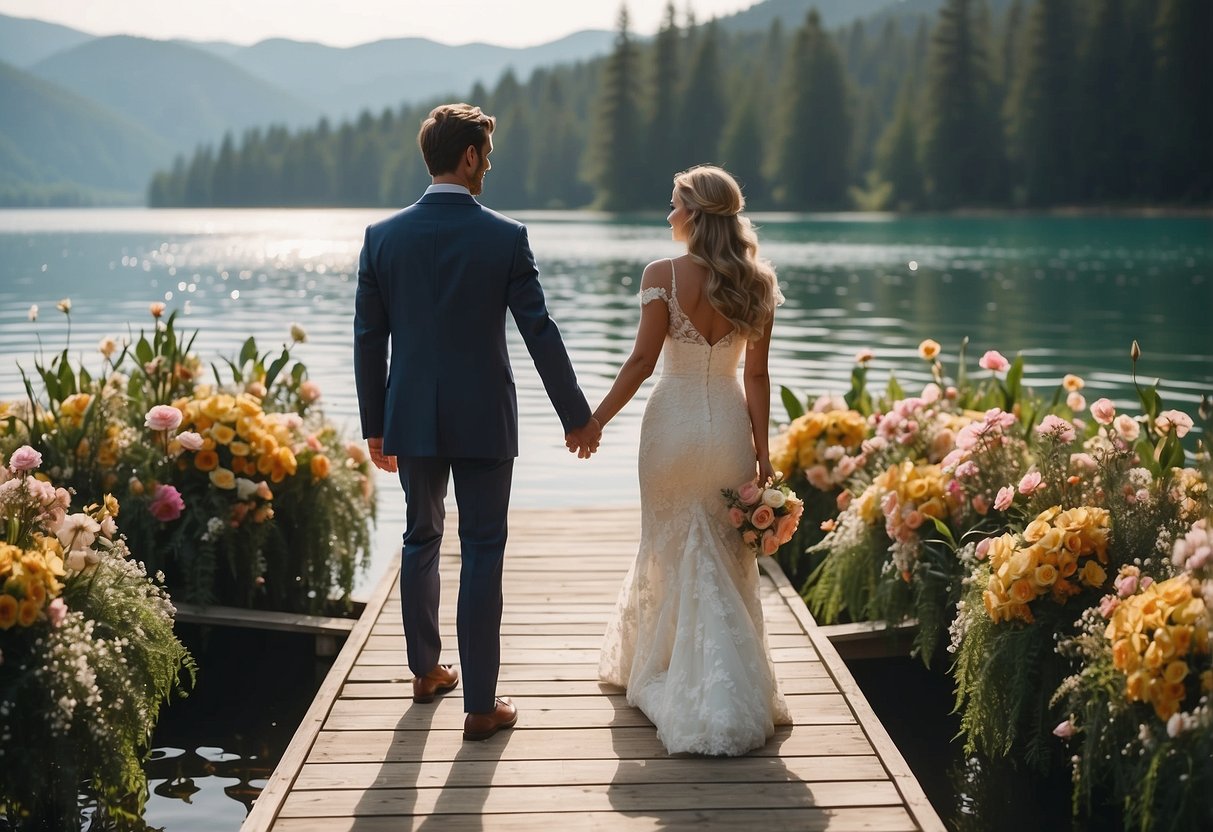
<point x="1071" y="294"/>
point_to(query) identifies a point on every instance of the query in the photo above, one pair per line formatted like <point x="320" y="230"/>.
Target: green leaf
<point x="297" y="372"/>
<point x="1151" y="403"/>
<point x="894" y="391"/>
<point x="215" y="370"/>
<point x="1014" y="381"/>
<point x="249" y="351"/>
<point x="1146" y="453"/>
<point x="67" y="379"/>
<point x="272" y="373"/>
<point x="85" y="379"/>
<point x="944" y="531"/>
<point x="1170" y="453"/>
<point x="962" y="372"/>
<point x="143" y="350"/>
<point x="790" y="403"/>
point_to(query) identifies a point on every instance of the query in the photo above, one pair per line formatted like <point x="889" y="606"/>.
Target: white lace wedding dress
<point x="687" y="638"/>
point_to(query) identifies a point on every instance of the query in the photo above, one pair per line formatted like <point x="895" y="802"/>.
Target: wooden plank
<point x="802" y="819"/>
<point x="551" y="687"/>
<point x="599" y="711"/>
<point x="572" y="744"/>
<point x="217" y="616"/>
<point x="671" y="770"/>
<point x="554" y="671"/>
<point x="270" y="801"/>
<point x="617" y="798"/>
<point x="915" y="799"/>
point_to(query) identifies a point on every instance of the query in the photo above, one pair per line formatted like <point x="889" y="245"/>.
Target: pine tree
<point x="702" y="114"/>
<point x="897" y="153"/>
<point x="662" y="152"/>
<point x="613" y="168"/>
<point x="1183" y="100"/>
<point x="962" y="138"/>
<point x="743" y="147"/>
<point x="1043" y="111"/>
<point x="197" y="191"/>
<point x="810" y="169"/>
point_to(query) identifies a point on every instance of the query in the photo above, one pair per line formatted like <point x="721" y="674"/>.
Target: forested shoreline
<point x="1000" y="104"/>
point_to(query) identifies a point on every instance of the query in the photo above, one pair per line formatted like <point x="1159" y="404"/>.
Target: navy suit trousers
<point x="482" y="493"/>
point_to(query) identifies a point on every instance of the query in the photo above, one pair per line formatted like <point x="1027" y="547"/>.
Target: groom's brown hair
<point x="449" y="130"/>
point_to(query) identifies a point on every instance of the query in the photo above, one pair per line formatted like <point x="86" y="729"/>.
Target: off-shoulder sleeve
<point x="653" y="293"/>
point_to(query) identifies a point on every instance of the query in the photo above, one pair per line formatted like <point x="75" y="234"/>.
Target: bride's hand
<point x="766" y="473"/>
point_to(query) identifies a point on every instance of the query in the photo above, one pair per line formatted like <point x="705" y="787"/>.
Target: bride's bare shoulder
<point x="657" y="275"/>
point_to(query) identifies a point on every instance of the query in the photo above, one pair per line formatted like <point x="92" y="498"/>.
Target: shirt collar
<point x="447" y="189"/>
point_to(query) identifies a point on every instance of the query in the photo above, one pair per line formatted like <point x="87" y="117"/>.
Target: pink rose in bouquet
<point x="163" y="417"/>
<point x="766" y="515"/>
<point x="166" y="504"/>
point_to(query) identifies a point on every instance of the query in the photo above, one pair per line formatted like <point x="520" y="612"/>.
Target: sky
<point x="350" y="22"/>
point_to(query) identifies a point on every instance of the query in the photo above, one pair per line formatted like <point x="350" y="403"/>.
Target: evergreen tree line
<point x="1047" y="102"/>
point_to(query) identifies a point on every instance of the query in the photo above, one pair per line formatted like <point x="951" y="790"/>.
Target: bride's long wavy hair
<point x="741" y="285"/>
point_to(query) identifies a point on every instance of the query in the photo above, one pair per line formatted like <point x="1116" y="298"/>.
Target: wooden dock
<point x="365" y="758"/>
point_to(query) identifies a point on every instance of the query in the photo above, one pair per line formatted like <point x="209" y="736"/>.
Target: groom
<point x="436" y="280"/>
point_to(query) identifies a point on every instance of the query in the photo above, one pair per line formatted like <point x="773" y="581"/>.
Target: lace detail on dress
<point x="681" y="329"/>
<point x="653" y="293"/>
<point x="687" y="638"/>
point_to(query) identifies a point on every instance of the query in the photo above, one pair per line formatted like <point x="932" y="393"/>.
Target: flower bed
<point x="87" y="655"/>
<point x="236" y="485"/>
<point x="1060" y="551"/>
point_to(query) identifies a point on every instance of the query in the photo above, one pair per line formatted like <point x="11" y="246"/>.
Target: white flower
<point x="190" y="440"/>
<point x="64" y="306"/>
<point x="78" y="531"/>
<point x="33" y="312"/>
<point x="107" y="346"/>
<point x="245" y="488"/>
<point x="109" y="528"/>
<point x="774" y="498"/>
<point x="75" y="561"/>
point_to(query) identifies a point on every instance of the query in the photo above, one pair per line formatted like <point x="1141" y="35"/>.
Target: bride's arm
<point x="758" y="399"/>
<point x="654" y="320"/>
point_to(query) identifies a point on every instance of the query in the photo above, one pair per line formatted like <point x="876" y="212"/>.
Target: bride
<point x="687" y="639"/>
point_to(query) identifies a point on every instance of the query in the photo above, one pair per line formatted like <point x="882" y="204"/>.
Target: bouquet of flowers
<point x="87" y="655"/>
<point x="766" y="515"/>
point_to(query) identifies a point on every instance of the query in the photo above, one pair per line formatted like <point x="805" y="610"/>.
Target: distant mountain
<point x="834" y="13"/>
<point x="51" y="136"/>
<point x="24" y="42"/>
<point x="341" y="82"/>
<point x="181" y="93"/>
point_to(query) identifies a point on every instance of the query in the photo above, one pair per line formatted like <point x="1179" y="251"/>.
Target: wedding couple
<point x="435" y="281"/>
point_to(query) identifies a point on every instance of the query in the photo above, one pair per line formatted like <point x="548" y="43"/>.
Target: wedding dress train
<point x="687" y="639"/>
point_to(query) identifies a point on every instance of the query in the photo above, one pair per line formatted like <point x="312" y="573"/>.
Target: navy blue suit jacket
<point x="435" y="280"/>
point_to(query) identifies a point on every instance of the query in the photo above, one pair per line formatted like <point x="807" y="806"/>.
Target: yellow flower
<point x="1035" y="531"/>
<point x="239" y="448"/>
<point x="1045" y="575"/>
<point x="1136" y="685"/>
<point x="929" y="349"/>
<point x="1124" y="657"/>
<point x="1022" y="591"/>
<point x="75" y="405"/>
<point x="223" y="478"/>
<point x="1175" y="591"/>
<point x="28" y="612"/>
<point x="1176" y="672"/>
<point x="1093" y="574"/>
<point x="1072" y="383"/>
<point x="8" y="611"/>
<point x="222" y="434"/>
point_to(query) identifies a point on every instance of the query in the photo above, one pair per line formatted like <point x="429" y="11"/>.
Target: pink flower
<point x="864" y="356"/>
<point x="1108" y="605"/>
<point x="913" y="519"/>
<point x="843" y="500"/>
<point x="313" y="442"/>
<point x="190" y="440"/>
<point x="763" y="517"/>
<point x="1103" y="411"/>
<point x="736" y="517"/>
<point x="819" y="478"/>
<point x="1177" y="419"/>
<point x="786" y="528"/>
<point x="309" y="391"/>
<point x="1053" y="425"/>
<point x="769" y="544"/>
<point x="163" y="417"/>
<point x="1126" y="585"/>
<point x="1064" y="730"/>
<point x="1127" y="427"/>
<point x="57" y="611"/>
<point x="1004" y="498"/>
<point x="931" y="393"/>
<point x="24" y="458"/>
<point x="981" y="505"/>
<point x="749" y="493"/>
<point x="1076" y="402"/>
<point x="1084" y="463"/>
<point x="967" y="469"/>
<point x="166" y="504"/>
<point x="1031" y="483"/>
<point x="994" y="361"/>
<point x="983" y="548"/>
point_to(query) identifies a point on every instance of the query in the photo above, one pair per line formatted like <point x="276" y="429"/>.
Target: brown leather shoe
<point x="483" y="726"/>
<point x="441" y="679"/>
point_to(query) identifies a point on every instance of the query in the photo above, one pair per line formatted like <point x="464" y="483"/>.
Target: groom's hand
<point x="584" y="440"/>
<point x="382" y="462"/>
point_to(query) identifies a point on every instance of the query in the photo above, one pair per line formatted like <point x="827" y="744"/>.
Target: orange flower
<point x="320" y="466"/>
<point x="206" y="460"/>
<point x="8" y="611"/>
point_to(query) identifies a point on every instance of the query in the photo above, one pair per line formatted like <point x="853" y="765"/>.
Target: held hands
<point x="382" y="462"/>
<point x="583" y="441"/>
